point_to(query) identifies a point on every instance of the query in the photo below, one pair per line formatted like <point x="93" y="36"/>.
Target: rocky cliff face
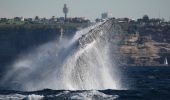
<point x="146" y="45"/>
<point x="150" y="53"/>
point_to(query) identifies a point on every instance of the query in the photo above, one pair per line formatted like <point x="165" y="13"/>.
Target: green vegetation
<point x="57" y="25"/>
<point x="12" y="22"/>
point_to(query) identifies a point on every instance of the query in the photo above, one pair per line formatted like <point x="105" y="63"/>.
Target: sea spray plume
<point x="31" y="67"/>
<point x="90" y="67"/>
<point x="40" y="65"/>
<point x="85" y="62"/>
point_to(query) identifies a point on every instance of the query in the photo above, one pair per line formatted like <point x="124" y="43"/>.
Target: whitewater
<point x="84" y="62"/>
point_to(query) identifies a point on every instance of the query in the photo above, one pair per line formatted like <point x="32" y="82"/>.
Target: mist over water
<point x="83" y="62"/>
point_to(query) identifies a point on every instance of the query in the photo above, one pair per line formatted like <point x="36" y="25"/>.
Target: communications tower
<point x="65" y="11"/>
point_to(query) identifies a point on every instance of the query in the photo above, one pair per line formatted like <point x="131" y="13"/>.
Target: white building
<point x="106" y="15"/>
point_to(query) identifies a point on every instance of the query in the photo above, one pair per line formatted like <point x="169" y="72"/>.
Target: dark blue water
<point x="145" y="83"/>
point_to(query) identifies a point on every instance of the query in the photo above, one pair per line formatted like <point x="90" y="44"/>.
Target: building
<point x="106" y="15"/>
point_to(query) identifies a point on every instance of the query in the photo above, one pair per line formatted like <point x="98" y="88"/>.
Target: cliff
<point x="145" y="45"/>
<point x="15" y="39"/>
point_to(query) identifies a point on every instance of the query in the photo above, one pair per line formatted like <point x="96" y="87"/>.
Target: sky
<point x="90" y="9"/>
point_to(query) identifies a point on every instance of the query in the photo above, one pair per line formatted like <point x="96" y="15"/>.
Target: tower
<point x="65" y="11"/>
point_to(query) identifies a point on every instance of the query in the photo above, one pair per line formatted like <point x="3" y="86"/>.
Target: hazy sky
<point x="87" y="8"/>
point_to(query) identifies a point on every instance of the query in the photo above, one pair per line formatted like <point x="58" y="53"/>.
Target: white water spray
<point x="82" y="63"/>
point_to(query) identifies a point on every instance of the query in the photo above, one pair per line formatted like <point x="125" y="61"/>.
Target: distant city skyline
<point x="90" y="9"/>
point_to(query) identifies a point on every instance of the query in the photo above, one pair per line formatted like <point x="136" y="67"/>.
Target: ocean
<point x="145" y="83"/>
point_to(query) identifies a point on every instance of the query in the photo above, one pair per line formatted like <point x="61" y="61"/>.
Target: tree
<point x="17" y="18"/>
<point x="4" y="19"/>
<point x="146" y="18"/>
<point x="53" y="18"/>
<point x="36" y="18"/>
